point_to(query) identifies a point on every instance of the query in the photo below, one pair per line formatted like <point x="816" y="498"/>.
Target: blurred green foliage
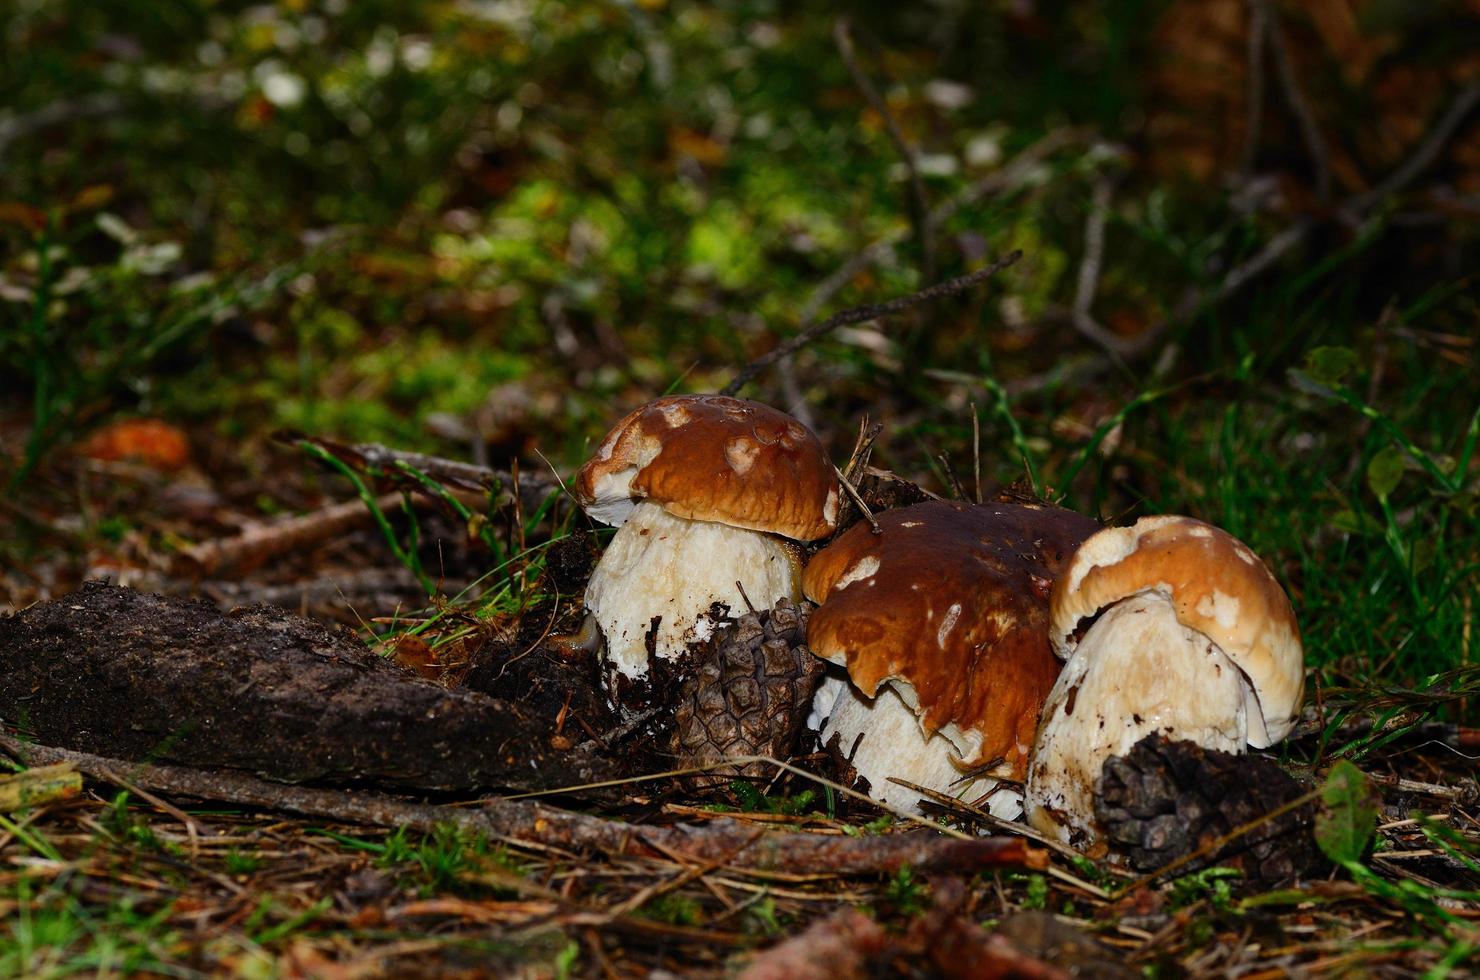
<point x="357" y="218"/>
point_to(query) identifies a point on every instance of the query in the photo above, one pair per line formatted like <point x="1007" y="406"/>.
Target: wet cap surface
<point x="951" y="598"/>
<point x="714" y="458"/>
<point x="1217" y="586"/>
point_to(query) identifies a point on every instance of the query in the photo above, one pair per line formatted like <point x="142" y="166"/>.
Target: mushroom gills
<point x="662" y="567"/>
<point x="1136" y="671"/>
<point x="886" y="739"/>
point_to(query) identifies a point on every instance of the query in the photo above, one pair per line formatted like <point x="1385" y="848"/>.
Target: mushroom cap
<point x="951" y="600"/>
<point x="714" y="458"/>
<point x="1217" y="586"/>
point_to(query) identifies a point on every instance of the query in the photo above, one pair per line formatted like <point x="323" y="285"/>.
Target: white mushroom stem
<point x="672" y="569"/>
<point x="1136" y="671"/>
<point x="893" y="743"/>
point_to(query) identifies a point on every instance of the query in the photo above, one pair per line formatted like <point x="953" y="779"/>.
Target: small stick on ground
<point x="734" y="842"/>
<point x="976" y="451"/>
<point x="852" y="492"/>
<point x="863" y="447"/>
<point x="466" y="476"/>
<point x="1427" y="152"/>
<point x="956" y="487"/>
<point x="262" y="541"/>
<point x="450" y="470"/>
<point x="1310" y="130"/>
<point x="862" y="314"/>
<point x="1089" y="274"/>
<point x="1254" y="119"/>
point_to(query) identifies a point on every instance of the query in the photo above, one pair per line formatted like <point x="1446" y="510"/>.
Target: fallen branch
<point x="734" y="842"/>
<point x="1427" y="152"/>
<point x="37" y="787"/>
<point x="862" y="314"/>
<point x="260" y="542"/>
<point x="469" y="475"/>
<point x="462" y="478"/>
<point x="469" y="483"/>
<point x="1088" y="280"/>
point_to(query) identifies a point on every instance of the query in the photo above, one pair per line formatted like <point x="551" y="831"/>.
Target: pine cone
<point x="1165" y="799"/>
<point x="748" y="694"/>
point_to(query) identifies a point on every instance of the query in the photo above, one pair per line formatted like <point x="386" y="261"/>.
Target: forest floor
<point x="236" y="242"/>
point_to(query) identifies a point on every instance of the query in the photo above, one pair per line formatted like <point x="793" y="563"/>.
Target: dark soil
<point x="526" y="668"/>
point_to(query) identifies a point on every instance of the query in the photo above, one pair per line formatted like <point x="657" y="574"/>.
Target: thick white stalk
<point x="662" y="567"/>
<point x="1137" y="671"/>
<point x="894" y="744"/>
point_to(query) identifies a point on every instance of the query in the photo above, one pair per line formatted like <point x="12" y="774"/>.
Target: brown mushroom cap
<point x="1217" y="586"/>
<point x="714" y="458"/>
<point x="951" y="599"/>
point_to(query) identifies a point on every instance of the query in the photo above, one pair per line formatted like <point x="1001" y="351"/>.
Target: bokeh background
<point x="486" y="228"/>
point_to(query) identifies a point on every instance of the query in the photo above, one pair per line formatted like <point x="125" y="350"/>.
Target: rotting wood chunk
<point x="1165" y="799"/>
<point x="748" y="694"/>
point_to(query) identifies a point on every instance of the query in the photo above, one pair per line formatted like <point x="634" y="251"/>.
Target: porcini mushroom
<point x="940" y="620"/>
<point x="704" y="490"/>
<point x="1170" y="626"/>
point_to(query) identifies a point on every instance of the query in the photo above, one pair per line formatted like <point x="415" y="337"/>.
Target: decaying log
<point x="135" y="676"/>
<point x="721" y="841"/>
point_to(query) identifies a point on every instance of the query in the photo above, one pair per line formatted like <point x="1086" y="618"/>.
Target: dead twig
<point x="1426" y="153"/>
<point x="734" y="842"/>
<point x="862" y="314"/>
<point x="1254" y="120"/>
<point x="854" y="496"/>
<point x="952" y="480"/>
<point x="1310" y="130"/>
<point x="863" y="447"/>
<point x="1088" y="281"/>
<point x="262" y="541"/>
<point x="919" y="208"/>
<point x="395" y="580"/>
<point x="58" y="113"/>
<point x="469" y="482"/>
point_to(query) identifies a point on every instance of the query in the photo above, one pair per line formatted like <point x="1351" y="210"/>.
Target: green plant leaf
<point x="1384" y="471"/>
<point x="1348" y="814"/>
<point x="1329" y="365"/>
<point x="1349" y="521"/>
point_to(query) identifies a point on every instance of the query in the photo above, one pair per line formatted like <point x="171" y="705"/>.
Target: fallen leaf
<point x="1348" y="814"/>
<point x="151" y="442"/>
